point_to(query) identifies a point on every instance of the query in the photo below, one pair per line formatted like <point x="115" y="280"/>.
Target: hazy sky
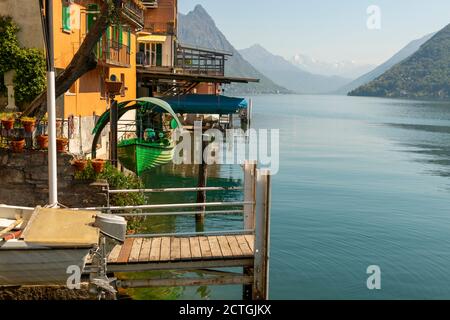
<point x="325" y="29"/>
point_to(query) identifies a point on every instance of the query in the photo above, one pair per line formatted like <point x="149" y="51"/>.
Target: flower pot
<point x="8" y="124"/>
<point x="61" y="144"/>
<point x="42" y="141"/>
<point x="29" y="125"/>
<point x="98" y="165"/>
<point x="17" y="145"/>
<point x="80" y="165"/>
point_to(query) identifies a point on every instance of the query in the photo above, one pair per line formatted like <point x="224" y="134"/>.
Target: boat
<point x="139" y="155"/>
<point x="42" y="246"/>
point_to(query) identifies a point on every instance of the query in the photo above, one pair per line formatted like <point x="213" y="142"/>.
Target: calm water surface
<point x="362" y="181"/>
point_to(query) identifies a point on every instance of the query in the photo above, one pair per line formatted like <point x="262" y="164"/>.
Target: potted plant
<point x="8" y="120"/>
<point x="17" y="144"/>
<point x="61" y="144"/>
<point x="80" y="163"/>
<point x="98" y="165"/>
<point x="42" y="141"/>
<point x="28" y="123"/>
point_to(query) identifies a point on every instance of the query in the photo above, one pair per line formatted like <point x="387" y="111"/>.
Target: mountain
<point x="407" y="51"/>
<point x="197" y="28"/>
<point x="288" y="75"/>
<point x="345" y="69"/>
<point x="424" y="75"/>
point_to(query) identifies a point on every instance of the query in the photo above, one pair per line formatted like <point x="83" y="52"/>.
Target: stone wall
<point x="24" y="181"/>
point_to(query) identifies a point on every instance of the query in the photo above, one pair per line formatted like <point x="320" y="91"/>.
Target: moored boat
<point x="139" y="155"/>
<point x="44" y="246"/>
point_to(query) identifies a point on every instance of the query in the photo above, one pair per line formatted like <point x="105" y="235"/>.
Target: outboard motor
<point x="112" y="226"/>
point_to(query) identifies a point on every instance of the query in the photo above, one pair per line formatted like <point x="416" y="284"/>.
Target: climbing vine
<point x="29" y="64"/>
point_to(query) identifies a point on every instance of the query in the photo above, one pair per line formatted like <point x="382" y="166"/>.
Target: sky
<point x="328" y="30"/>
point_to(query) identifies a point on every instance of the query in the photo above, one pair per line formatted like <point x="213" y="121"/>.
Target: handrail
<point x="175" y="190"/>
<point x="183" y="213"/>
<point x="193" y="234"/>
<point x="168" y="206"/>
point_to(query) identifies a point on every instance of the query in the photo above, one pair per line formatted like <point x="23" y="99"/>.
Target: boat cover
<point x="61" y="228"/>
<point x="205" y="104"/>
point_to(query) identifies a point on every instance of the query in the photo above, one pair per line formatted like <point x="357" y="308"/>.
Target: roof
<point x="205" y="104"/>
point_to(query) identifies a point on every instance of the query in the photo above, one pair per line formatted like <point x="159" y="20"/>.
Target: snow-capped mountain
<point x="346" y="69"/>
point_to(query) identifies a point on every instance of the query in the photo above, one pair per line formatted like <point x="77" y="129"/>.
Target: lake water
<point x="362" y="181"/>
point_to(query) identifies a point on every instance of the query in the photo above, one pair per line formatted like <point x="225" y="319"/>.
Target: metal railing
<point x="133" y="12"/>
<point x="248" y="207"/>
<point x="201" y="61"/>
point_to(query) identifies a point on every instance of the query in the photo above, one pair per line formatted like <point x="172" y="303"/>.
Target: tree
<point x="84" y="59"/>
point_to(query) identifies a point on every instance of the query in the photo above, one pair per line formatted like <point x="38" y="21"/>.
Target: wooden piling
<point x="249" y="215"/>
<point x="202" y="182"/>
<point x="262" y="232"/>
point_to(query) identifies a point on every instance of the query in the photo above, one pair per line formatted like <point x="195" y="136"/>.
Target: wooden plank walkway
<point x="172" y="249"/>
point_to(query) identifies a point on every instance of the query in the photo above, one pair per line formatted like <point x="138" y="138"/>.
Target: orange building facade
<point x="116" y="53"/>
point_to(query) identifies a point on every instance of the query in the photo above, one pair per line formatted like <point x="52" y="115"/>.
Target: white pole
<point x="52" y="158"/>
<point x="51" y="110"/>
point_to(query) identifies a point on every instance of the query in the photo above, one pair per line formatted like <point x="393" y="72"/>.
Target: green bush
<point x="116" y="180"/>
<point x="29" y="64"/>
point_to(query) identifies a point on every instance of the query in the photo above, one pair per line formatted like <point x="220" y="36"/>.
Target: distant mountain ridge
<point x="344" y="69"/>
<point x="197" y="28"/>
<point x="288" y="75"/>
<point x="404" y="53"/>
<point x="423" y="75"/>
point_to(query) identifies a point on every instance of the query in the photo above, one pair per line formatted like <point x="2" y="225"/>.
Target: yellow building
<point x="116" y="53"/>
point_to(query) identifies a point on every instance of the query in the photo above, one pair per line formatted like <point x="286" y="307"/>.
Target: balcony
<point x="164" y="28"/>
<point x="113" y="54"/>
<point x="133" y="11"/>
<point x="201" y="61"/>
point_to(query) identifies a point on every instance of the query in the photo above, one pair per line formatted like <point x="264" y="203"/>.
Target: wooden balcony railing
<point x="113" y="53"/>
<point x="160" y="28"/>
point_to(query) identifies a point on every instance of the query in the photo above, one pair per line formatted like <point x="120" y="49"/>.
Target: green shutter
<point x="159" y="54"/>
<point x="92" y="10"/>
<point x="129" y="40"/>
<point x="108" y="39"/>
<point x="92" y="13"/>
<point x="66" y="18"/>
<point x="120" y="30"/>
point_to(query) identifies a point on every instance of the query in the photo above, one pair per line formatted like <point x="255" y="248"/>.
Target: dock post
<point x="202" y="181"/>
<point x="113" y="132"/>
<point x="262" y="232"/>
<point x="249" y="214"/>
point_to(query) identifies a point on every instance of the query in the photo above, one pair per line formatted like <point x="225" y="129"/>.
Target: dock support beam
<point x="249" y="215"/>
<point x="114" y="116"/>
<point x="202" y="179"/>
<point x="262" y="232"/>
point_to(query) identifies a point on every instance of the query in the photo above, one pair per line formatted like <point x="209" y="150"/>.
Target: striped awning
<point x="151" y="38"/>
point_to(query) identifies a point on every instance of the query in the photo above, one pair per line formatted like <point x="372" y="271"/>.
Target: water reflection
<point x="431" y="144"/>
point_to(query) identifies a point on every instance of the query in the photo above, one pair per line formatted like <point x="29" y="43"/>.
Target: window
<point x="66" y="18"/>
<point x="91" y="16"/>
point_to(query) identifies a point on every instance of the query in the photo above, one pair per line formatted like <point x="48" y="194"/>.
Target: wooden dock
<point x="203" y="253"/>
<point x="180" y="249"/>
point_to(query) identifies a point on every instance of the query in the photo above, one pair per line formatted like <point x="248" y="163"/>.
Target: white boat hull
<point x="39" y="266"/>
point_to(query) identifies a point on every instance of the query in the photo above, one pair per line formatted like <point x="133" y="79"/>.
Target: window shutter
<point x="66" y="18"/>
<point x="120" y="30"/>
<point x="129" y="40"/>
